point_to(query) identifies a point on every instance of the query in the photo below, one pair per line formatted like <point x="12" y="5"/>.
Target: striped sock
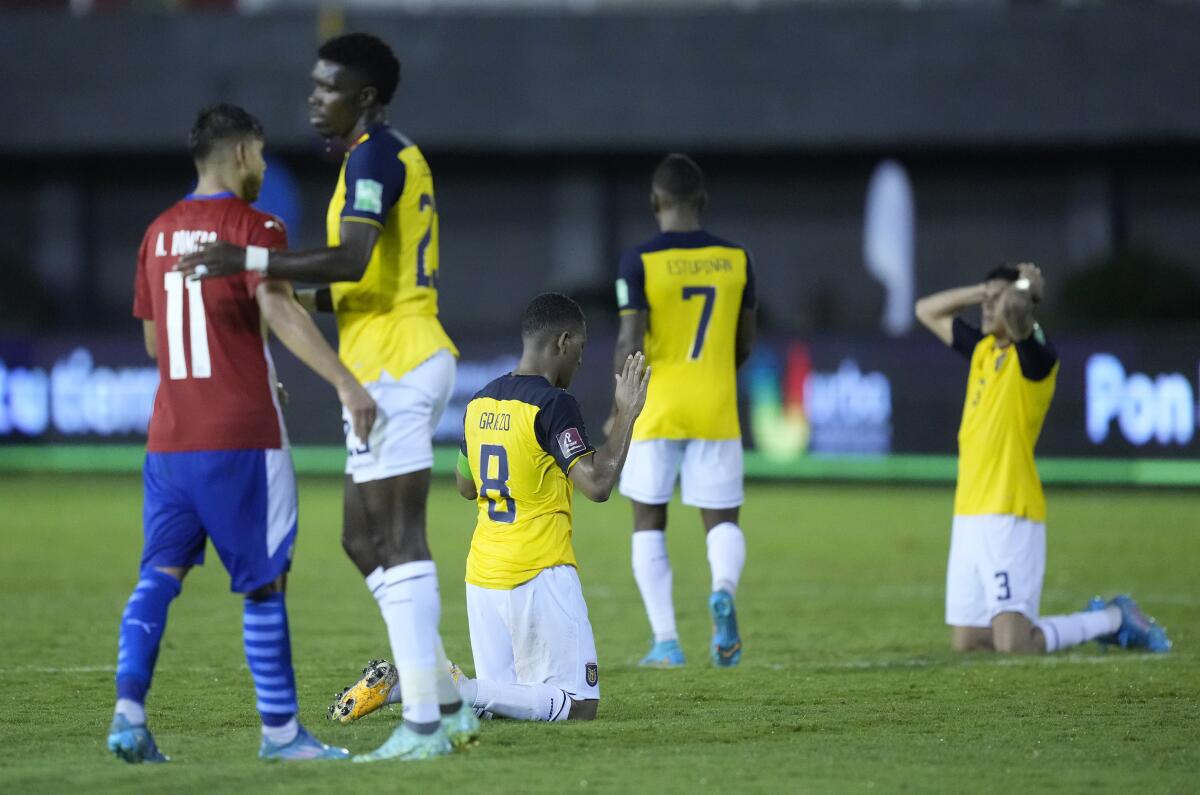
<point x="269" y="655"/>
<point x="142" y="626"/>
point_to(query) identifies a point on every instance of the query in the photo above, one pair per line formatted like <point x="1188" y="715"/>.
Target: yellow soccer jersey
<point x="1008" y="394"/>
<point x="694" y="286"/>
<point x="521" y="438"/>
<point x="388" y="320"/>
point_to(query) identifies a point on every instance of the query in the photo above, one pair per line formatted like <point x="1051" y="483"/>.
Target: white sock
<point x="522" y="702"/>
<point x="131" y="711"/>
<point x="652" y="571"/>
<point x="1062" y="632"/>
<point x="411" y="610"/>
<point x="726" y="556"/>
<point x="282" y="735"/>
<point x="377" y="585"/>
<point x="447" y="690"/>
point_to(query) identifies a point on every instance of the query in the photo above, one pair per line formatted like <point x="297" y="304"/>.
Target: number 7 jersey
<point x="388" y="320"/>
<point x="693" y="286"/>
<point x="216" y="386"/>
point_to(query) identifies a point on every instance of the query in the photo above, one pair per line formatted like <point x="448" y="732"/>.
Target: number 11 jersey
<point x="694" y="286"/>
<point x="216" y="386"/>
<point x="388" y="319"/>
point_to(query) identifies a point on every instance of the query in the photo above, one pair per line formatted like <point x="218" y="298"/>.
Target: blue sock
<point x="269" y="655"/>
<point x="142" y="626"/>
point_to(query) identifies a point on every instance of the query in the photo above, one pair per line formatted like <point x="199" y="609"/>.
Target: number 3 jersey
<point x="216" y="386"/>
<point x="694" y="286"/>
<point x="388" y="319"/>
<point x="521" y="438"/>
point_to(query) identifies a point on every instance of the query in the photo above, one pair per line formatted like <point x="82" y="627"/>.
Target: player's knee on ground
<point x="1014" y="633"/>
<point x="964" y="639"/>
<point x="584" y="710"/>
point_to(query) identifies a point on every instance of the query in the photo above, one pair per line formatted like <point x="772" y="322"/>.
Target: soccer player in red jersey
<point x="217" y="462"/>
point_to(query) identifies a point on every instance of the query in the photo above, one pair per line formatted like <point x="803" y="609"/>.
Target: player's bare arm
<point x="747" y="332"/>
<point x="149" y="339"/>
<point x="1018" y="304"/>
<point x="595" y="475"/>
<point x="631" y="338"/>
<point x="937" y="312"/>
<point x="343" y="263"/>
<point x="297" y="331"/>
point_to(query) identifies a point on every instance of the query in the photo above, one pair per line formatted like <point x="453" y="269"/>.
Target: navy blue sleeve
<point x="750" y="292"/>
<point x="1037" y="355"/>
<point x="631" y="283"/>
<point x="560" y="430"/>
<point x="374" y="179"/>
<point x="966" y="337"/>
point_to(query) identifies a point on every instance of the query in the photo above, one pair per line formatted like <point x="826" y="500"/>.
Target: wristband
<point x="256" y="259"/>
<point x="1021" y="283"/>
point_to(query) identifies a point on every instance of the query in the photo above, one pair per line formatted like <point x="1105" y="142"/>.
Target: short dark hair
<point x="370" y="56"/>
<point x="551" y="312"/>
<point x="1007" y="272"/>
<point x="679" y="177"/>
<point x="218" y="123"/>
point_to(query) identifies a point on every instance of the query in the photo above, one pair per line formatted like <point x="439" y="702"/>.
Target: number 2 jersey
<point x="521" y="437"/>
<point x="694" y="286"/>
<point x="216" y="386"/>
<point x="388" y="319"/>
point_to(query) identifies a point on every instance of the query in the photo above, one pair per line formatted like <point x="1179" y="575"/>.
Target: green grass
<point x="846" y="683"/>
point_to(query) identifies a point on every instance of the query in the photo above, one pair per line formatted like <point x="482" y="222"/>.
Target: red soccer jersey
<point x="216" y="386"/>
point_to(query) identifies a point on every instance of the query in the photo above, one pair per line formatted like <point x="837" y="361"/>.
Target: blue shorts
<point x="244" y="500"/>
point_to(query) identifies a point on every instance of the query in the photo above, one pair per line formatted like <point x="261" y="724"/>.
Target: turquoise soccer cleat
<point x="303" y="747"/>
<point x="132" y="743"/>
<point x="726" y="643"/>
<point x="1137" y="630"/>
<point x="407" y="745"/>
<point x="462" y="727"/>
<point x="663" y="654"/>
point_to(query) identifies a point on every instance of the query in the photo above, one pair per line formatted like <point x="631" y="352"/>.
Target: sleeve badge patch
<point x="571" y="442"/>
<point x="368" y="196"/>
<point x="591" y="673"/>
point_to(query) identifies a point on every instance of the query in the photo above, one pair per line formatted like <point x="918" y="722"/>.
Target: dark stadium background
<point x="1063" y="133"/>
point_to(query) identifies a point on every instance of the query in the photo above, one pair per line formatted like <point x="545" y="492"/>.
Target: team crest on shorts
<point x="591" y="673"/>
<point x="571" y="442"/>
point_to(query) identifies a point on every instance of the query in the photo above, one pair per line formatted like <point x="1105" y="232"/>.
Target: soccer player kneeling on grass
<point x="998" y="541"/>
<point x="217" y="461"/>
<point x="524" y="452"/>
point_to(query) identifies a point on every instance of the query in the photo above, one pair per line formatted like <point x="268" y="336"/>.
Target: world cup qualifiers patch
<point x="591" y="673"/>
<point x="571" y="442"/>
<point x="368" y="196"/>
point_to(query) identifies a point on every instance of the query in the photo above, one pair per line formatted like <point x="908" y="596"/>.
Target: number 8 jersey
<point x="388" y="320"/>
<point x="694" y="286"/>
<point x="521" y="436"/>
<point x="217" y="383"/>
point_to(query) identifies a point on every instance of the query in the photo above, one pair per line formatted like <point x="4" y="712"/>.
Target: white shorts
<point x="996" y="566"/>
<point x="401" y="440"/>
<point x="711" y="472"/>
<point x="537" y="633"/>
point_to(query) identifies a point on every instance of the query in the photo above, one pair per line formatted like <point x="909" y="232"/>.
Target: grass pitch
<point x="846" y="684"/>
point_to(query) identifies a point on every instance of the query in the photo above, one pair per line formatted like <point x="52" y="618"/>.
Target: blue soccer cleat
<point x="409" y="746"/>
<point x="1095" y="605"/>
<point x="726" y="643"/>
<point x="132" y="743"/>
<point x="663" y="654"/>
<point x="1137" y="630"/>
<point x="303" y="747"/>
